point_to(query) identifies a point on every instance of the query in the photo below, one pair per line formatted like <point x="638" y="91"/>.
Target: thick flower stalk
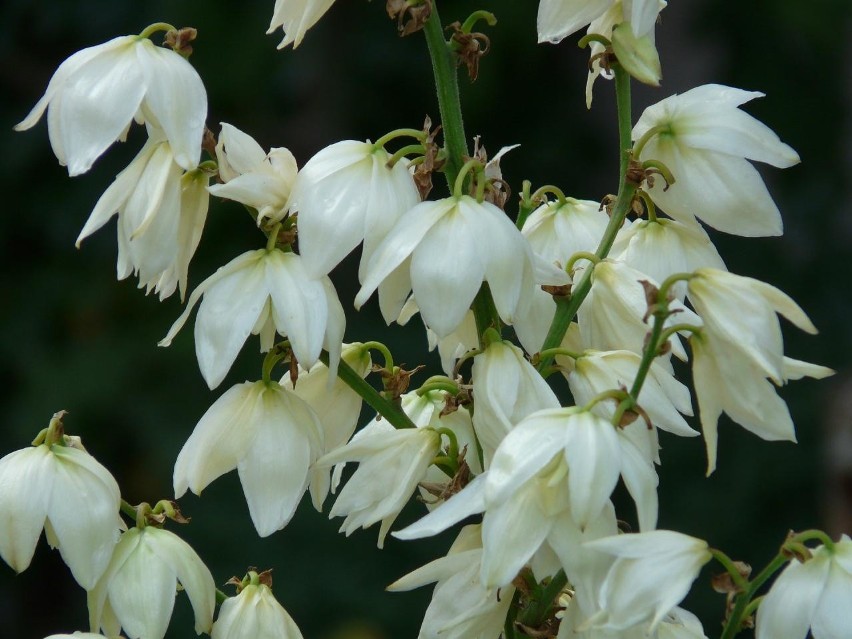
<point x="270" y="435"/>
<point x="262" y="292"/>
<point x="161" y="214"/>
<point x="137" y="591"/>
<point x="94" y="96"/>
<point x="706" y="142"/>
<point x="59" y="487"/>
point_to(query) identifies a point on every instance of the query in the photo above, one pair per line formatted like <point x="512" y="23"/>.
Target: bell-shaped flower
<point x="454" y="245"/>
<point x="161" y="214"/>
<point x="336" y="405"/>
<point x="558" y="229"/>
<point x="95" y="94"/>
<point x="254" y="614"/>
<point x="461" y="606"/>
<point x="814" y="595"/>
<point x="611" y="317"/>
<point x="663" y="398"/>
<point x="392" y="463"/>
<point x="677" y="624"/>
<point x="346" y="194"/>
<point x="270" y="435"/>
<point x="557" y="19"/>
<point x="652" y="573"/>
<point x="663" y="247"/>
<point x="507" y="389"/>
<point x="741" y="311"/>
<point x="261" y="292"/>
<point x="706" y="142"/>
<point x="727" y="380"/>
<point x="137" y="591"/>
<point x="62" y="489"/>
<point x="77" y="635"/>
<point x="260" y="180"/>
<point x="295" y="17"/>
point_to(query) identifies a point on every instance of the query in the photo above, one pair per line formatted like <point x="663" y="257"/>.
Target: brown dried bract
<point x="562" y="290"/>
<point x="410" y="15"/>
<point x="179" y="41"/>
<point x="432" y="161"/>
<point x="469" y="48"/>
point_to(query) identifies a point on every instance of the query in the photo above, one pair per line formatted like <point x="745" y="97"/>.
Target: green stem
<point x="485" y="314"/>
<point x="509" y="625"/>
<point x="475" y="17"/>
<point x="731" y="568"/>
<point x="395" y="416"/>
<point x="734" y="622"/>
<point x="649" y="354"/>
<point x="401" y="153"/>
<point x="384" y="350"/>
<point x="527" y="205"/>
<point x="566" y="307"/>
<point x="438" y="384"/>
<point x="398" y="133"/>
<point x="446" y="83"/>
<point x="151" y="29"/>
<point x="128" y="509"/>
<point x="553" y="352"/>
<point x="538" y="611"/>
<point x="220" y="597"/>
<point x="814" y="533"/>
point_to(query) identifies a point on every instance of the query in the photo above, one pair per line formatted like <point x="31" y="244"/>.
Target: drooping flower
<point x="60" y="488"/>
<point x="652" y="573"/>
<point x="454" y="245"/>
<point x="392" y="463"/>
<point x="706" y="142"/>
<point x="344" y="195"/>
<point x="137" y="591"/>
<point x="558" y="229"/>
<point x="557" y="19"/>
<point x="161" y="214"/>
<point x="254" y="614"/>
<point x="295" y="17"/>
<point x="461" y="606"/>
<point x="814" y="595"/>
<point x="262" y="292"/>
<point x="270" y="435"/>
<point x="95" y="94"/>
<point x="252" y="177"/>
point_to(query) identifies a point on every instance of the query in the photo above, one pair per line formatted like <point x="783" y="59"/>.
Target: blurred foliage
<point x="73" y="338"/>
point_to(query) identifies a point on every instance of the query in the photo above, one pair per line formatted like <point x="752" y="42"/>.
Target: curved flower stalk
<point x="254" y="614"/>
<point x="295" y="17"/>
<point x="270" y="435"/>
<point x="261" y="292"/>
<point x="461" y="607"/>
<point x="454" y="245"/>
<point x="95" y="94"/>
<point x="557" y="19"/>
<point x="664" y="247"/>
<point x="346" y="194"/>
<point x="506" y="389"/>
<point x="161" y="214"/>
<point x="137" y="591"/>
<point x="706" y="142"/>
<point x="252" y="177"/>
<point x="336" y="405"/>
<point x="652" y="573"/>
<point x="392" y="463"/>
<point x="813" y="594"/>
<point x="60" y="488"/>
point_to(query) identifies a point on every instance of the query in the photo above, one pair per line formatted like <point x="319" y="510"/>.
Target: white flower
<point x="557" y="19"/>
<point x="814" y="594"/>
<point x="652" y="573"/>
<point x="161" y="214"/>
<point x="506" y="388"/>
<point x="137" y="591"/>
<point x="450" y="347"/>
<point x="705" y="140"/>
<point x="96" y="93"/>
<point x="454" y="245"/>
<point x="67" y="492"/>
<point x="78" y="635"/>
<point x="270" y="435"/>
<point x="262" y="292"/>
<point x="345" y="195"/>
<point x="296" y="17"/>
<point x="254" y="614"/>
<point x="741" y="311"/>
<point x="663" y="247"/>
<point x="727" y="380"/>
<point x="336" y="405"/>
<point x="260" y="180"/>
<point x="392" y="463"/>
<point x="461" y="607"/>
<point x="556" y="230"/>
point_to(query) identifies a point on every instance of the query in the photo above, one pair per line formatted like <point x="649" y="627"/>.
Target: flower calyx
<point x="410" y="15"/>
<point x="252" y="578"/>
<point x="179" y="40"/>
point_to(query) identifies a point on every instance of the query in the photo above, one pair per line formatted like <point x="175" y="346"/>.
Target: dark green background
<point x="72" y="338"/>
